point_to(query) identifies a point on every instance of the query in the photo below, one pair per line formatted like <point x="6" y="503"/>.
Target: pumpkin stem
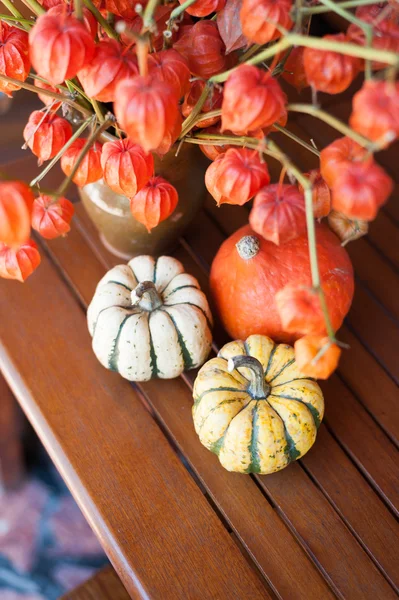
<point x="146" y="296"/>
<point x="248" y="246"/>
<point x="258" y="387"/>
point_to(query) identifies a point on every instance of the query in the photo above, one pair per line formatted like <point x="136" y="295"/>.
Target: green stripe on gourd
<point x="153" y="356"/>
<point x="181" y="287"/>
<point x="193" y="305"/>
<point x="218" y="445"/>
<point x="187" y="358"/>
<point x="287" y="364"/>
<point x="254" y="466"/>
<point x="312" y="409"/>
<point x="121" y="284"/>
<point x="269" y="364"/>
<point x="114" y="354"/>
<point x="198" y="399"/>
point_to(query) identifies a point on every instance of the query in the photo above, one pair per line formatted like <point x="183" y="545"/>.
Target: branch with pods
<point x="205" y="72"/>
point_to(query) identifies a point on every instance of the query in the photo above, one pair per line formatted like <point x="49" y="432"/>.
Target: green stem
<point x="34" y="7"/>
<point x="365" y="27"/>
<point x="250" y="52"/>
<point x="47" y="82"/>
<point x="49" y="93"/>
<point x="148" y="16"/>
<point x="14" y="11"/>
<point x="189" y="123"/>
<point x="179" y="10"/>
<point x="103" y="22"/>
<point x="317" y="10"/>
<point x="57" y="157"/>
<point x="97" y="110"/>
<point x="297" y="139"/>
<point x="309" y="109"/>
<point x="311" y="230"/>
<point x="78" y="9"/>
<point x="13" y="21"/>
<point x="208" y="115"/>
<point x="72" y="87"/>
<point x="89" y="142"/>
<point x="293" y="39"/>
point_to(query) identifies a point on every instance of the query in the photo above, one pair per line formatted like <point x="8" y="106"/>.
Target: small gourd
<point x="150" y="319"/>
<point x="253" y="407"/>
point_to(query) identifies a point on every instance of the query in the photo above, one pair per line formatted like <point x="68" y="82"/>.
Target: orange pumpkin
<point x="248" y="271"/>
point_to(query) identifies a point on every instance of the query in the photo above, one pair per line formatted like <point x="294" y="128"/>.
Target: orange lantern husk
<point x="52" y="40"/>
<point x="316" y="356"/>
<point x="321" y="194"/>
<point x="203" y="8"/>
<point x="203" y="48"/>
<point x="236" y="176"/>
<point x="126" y="167"/>
<point x="300" y="310"/>
<point x="339" y="155"/>
<point x="375" y="111"/>
<point x="46" y="135"/>
<point x="109" y="65"/>
<point x="146" y="109"/>
<point x="252" y="99"/>
<point x="90" y="169"/>
<point x="20" y="263"/>
<point x="154" y="203"/>
<point x="51" y="216"/>
<point x="348" y="230"/>
<point x="261" y="19"/>
<point x="14" y="56"/>
<point x="16" y="200"/>
<point x="172" y="68"/>
<point x="359" y="191"/>
<point x="278" y="213"/>
<point x="329" y="71"/>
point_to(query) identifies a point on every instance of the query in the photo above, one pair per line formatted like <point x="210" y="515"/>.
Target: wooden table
<point x="173" y="522"/>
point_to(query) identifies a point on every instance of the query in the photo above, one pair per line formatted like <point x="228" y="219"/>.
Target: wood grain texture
<point x="104" y="585"/>
<point x="159" y="531"/>
<point x="12" y="468"/>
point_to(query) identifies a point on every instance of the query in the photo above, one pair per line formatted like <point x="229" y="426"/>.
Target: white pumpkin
<point x="150" y="319"/>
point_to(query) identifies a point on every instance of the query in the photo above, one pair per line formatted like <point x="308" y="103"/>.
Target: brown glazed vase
<point x="119" y="231"/>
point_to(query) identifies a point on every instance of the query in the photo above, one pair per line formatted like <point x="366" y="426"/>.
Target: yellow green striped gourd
<point x="254" y="408"/>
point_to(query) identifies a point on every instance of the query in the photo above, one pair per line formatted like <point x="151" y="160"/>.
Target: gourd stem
<point x="152" y="301"/>
<point x="258" y="387"/>
<point x="248" y="247"/>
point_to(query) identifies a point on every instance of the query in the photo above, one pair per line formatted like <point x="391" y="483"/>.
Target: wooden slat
<point x="104" y="585"/>
<point x="379" y="277"/>
<point x="157" y="528"/>
<point x="352" y="425"/>
<point x="339" y="537"/>
<point x="351" y="496"/>
<point x="229" y="492"/>
<point x="383" y="235"/>
<point x="12" y="467"/>
<point x="373" y="388"/>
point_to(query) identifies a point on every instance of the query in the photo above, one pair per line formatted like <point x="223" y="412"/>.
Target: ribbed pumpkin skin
<point x="256" y="435"/>
<point x="141" y="342"/>
<point x="244" y="290"/>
